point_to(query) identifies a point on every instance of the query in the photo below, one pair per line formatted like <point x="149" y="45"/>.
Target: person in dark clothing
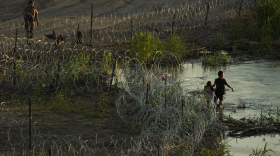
<point x="220" y="83"/>
<point x="30" y="15"/>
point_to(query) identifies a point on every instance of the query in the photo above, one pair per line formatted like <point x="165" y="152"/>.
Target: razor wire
<point x="173" y="120"/>
<point x="110" y="27"/>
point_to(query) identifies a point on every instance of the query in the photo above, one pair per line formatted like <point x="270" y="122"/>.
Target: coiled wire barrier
<point x="173" y="120"/>
<point x="116" y="26"/>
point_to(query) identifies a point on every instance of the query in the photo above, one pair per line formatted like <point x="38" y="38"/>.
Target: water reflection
<point x="255" y="82"/>
<point x="243" y="147"/>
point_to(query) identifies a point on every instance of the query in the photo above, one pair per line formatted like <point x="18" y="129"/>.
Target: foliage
<point x="263" y="25"/>
<point x="269" y="119"/>
<point x="220" y="149"/>
<point x="237" y="31"/>
<point x="107" y="61"/>
<point x="175" y="44"/>
<point x="102" y="101"/>
<point x="145" y="46"/>
<point x="267" y="18"/>
<point x="216" y="59"/>
<point x="261" y="152"/>
<point x="217" y="41"/>
<point x="62" y="102"/>
<point x="96" y="114"/>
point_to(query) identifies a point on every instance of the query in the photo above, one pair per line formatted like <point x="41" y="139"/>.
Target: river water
<point x="255" y="83"/>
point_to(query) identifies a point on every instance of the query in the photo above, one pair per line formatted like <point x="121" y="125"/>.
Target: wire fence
<point x="118" y="27"/>
<point x="172" y="120"/>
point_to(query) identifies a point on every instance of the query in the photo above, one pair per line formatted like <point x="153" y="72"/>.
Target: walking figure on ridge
<point x="30" y="15"/>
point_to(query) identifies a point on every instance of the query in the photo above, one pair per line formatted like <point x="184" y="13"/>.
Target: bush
<point x="144" y="46"/>
<point x="216" y="59"/>
<point x="267" y="17"/>
<point x="217" y="41"/>
<point x="264" y="23"/>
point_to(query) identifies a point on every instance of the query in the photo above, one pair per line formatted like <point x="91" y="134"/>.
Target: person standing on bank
<point x="220" y="83"/>
<point x="30" y="15"/>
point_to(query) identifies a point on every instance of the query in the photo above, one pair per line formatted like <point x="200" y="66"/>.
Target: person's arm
<point x="228" y="85"/>
<point x="37" y="18"/>
<point x="213" y="89"/>
<point x="214" y="84"/>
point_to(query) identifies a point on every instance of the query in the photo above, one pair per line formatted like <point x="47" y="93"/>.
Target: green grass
<point x="62" y="101"/>
<point x="216" y="59"/>
<point x="146" y="47"/>
<point x="261" y="152"/>
<point x="262" y="28"/>
<point x="271" y="119"/>
<point x="217" y="41"/>
<point x="102" y="101"/>
<point x="96" y="114"/>
<point x="79" y="71"/>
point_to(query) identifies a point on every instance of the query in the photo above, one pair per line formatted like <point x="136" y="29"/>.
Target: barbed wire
<point x="110" y="27"/>
<point x="173" y="120"/>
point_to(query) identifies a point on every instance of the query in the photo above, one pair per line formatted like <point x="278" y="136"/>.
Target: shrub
<point x="144" y="46"/>
<point x="217" y="41"/>
<point x="237" y="31"/>
<point x="267" y="17"/>
<point x="216" y="59"/>
<point x="264" y="23"/>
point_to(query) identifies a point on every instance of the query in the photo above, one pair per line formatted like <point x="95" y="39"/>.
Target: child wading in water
<point x="208" y="89"/>
<point x="220" y="82"/>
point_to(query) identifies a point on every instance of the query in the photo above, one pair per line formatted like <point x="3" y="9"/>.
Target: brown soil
<point x="63" y="123"/>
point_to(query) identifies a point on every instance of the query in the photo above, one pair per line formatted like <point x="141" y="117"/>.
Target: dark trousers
<point x="29" y="28"/>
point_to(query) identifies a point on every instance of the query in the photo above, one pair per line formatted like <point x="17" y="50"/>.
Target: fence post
<point x="14" y="74"/>
<point x="182" y="114"/>
<point x="4" y="73"/>
<point x="207" y="13"/>
<point x="131" y="28"/>
<point x="57" y="73"/>
<point x="15" y="43"/>
<point x="30" y="124"/>
<point x="158" y="150"/>
<point x="91" y="24"/>
<point x="77" y="37"/>
<point x="114" y="66"/>
<point x="173" y="23"/>
<point x="165" y="90"/>
<point x="144" y="80"/>
<point x="147" y="93"/>
<point x="240" y="7"/>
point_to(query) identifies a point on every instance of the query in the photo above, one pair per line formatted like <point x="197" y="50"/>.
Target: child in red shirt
<point x="220" y="83"/>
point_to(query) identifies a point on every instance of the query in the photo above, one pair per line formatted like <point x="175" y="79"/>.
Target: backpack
<point x="220" y="90"/>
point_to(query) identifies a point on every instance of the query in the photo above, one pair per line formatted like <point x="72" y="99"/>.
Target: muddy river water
<point x="256" y="83"/>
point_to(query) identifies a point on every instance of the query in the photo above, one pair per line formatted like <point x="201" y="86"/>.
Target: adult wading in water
<point x="30" y="15"/>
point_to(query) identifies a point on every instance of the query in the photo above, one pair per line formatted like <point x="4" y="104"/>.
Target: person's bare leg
<point x="221" y="104"/>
